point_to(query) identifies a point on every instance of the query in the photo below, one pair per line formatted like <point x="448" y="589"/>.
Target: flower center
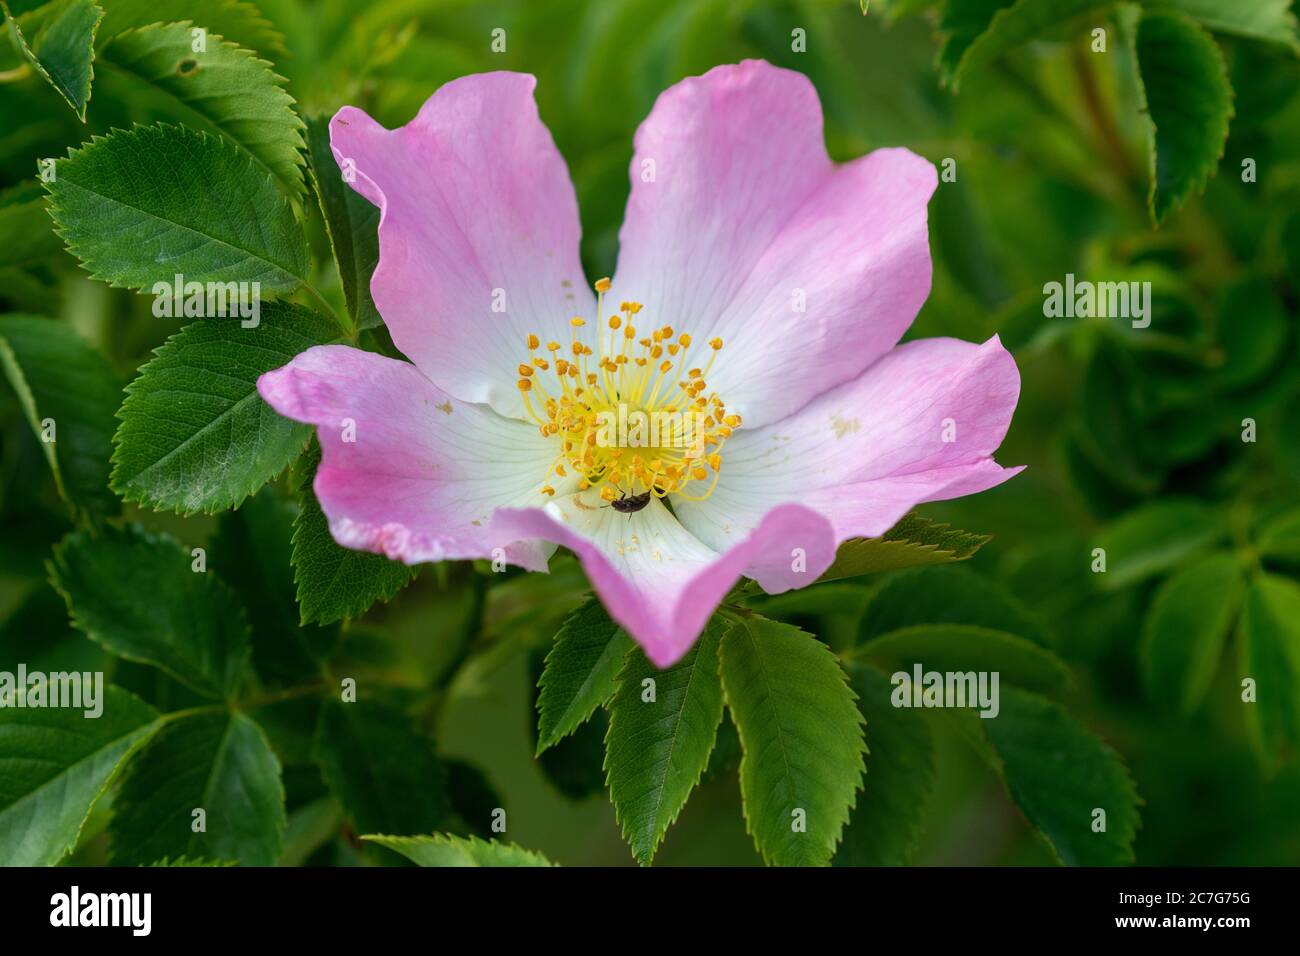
<point x="631" y="415"/>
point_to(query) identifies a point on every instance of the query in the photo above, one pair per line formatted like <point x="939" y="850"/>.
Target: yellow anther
<point x="681" y="425"/>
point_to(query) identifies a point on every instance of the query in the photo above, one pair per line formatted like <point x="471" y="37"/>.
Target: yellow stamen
<point x="613" y="382"/>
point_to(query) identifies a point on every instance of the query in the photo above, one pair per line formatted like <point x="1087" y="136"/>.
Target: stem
<point x="290" y="693"/>
<point x="17" y="74"/>
<point x="1121" y="161"/>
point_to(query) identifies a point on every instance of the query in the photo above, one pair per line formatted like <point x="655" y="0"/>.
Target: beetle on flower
<point x="760" y="287"/>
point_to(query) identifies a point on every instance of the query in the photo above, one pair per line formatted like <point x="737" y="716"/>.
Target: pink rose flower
<point x="760" y="293"/>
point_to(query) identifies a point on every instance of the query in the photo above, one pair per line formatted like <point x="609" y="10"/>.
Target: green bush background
<point x="1052" y="160"/>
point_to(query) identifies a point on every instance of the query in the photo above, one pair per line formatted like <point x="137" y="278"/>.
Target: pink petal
<point x="425" y="472"/>
<point x="660" y="583"/>
<point x="477" y="212"/>
<point x="866" y="452"/>
<point x="744" y="211"/>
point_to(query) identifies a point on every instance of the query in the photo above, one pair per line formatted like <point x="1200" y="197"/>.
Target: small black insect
<point x="630" y="504"/>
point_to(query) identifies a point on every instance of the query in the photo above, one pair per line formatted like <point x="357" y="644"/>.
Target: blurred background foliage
<point x="1133" y="438"/>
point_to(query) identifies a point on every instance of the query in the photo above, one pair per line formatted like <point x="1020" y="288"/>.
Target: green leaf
<point x="25" y="234"/>
<point x="189" y="861"/>
<point x="1270" y="655"/>
<point x="352" y="224"/>
<point x="580" y="673"/>
<point x="1154" y="538"/>
<point x="1253" y="327"/>
<point x="975" y="32"/>
<point x="962" y="648"/>
<point x="135" y="593"/>
<point x="1059" y="773"/>
<point x="443" y="849"/>
<point x="335" y="582"/>
<point x="656" y="750"/>
<point x="129" y="207"/>
<point x="54" y="765"/>
<point x="1109" y="432"/>
<point x="885" y="826"/>
<point x="1279" y="538"/>
<point x="308" y="828"/>
<point x="58" y="41"/>
<point x="1188" y="100"/>
<point x="195" y="434"/>
<point x="1182" y="638"/>
<point x="1269" y="20"/>
<point x="225" y="89"/>
<point x="802" y="739"/>
<point x="219" y="763"/>
<point x="251" y="553"/>
<point x="61" y="379"/>
<point x="946" y="596"/>
<point x="913" y="542"/>
<point x="383" y="773"/>
<point x="236" y="20"/>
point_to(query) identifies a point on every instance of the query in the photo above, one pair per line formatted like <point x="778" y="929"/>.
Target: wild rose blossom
<point x="760" y="288"/>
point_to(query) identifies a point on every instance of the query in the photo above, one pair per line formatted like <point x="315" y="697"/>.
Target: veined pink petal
<point x="478" y="237"/>
<point x="739" y="226"/>
<point x="919" y="425"/>
<point x="658" y="581"/>
<point x="406" y="470"/>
